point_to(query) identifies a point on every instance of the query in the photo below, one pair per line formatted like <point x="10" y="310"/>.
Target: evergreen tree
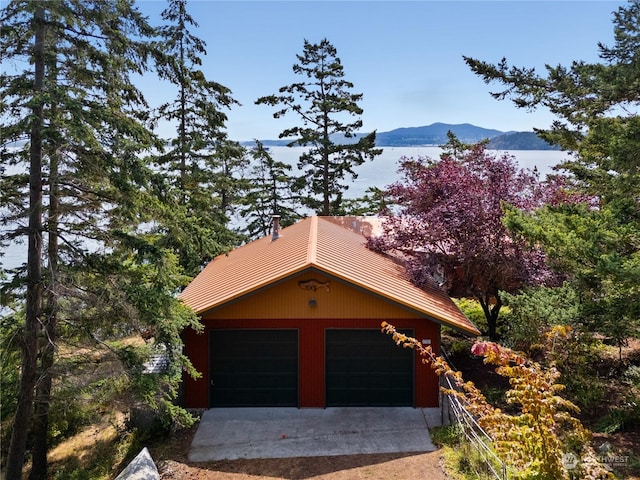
<point x="198" y="183"/>
<point x="372" y="203"/>
<point x="34" y="282"/>
<point x="269" y="193"/>
<point x="596" y="105"/>
<point x="69" y="98"/>
<point x="324" y="102"/>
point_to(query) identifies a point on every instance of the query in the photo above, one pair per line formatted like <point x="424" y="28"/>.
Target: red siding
<point x="311" y="356"/>
<point x="196" y="394"/>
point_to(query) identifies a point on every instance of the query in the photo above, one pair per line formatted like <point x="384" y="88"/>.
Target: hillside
<point x="436" y="134"/>
<point x="520" y="141"/>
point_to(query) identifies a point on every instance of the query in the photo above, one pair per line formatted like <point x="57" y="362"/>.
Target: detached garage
<point x="294" y="319"/>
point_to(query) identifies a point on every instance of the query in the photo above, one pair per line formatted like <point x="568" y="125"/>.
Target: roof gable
<point x="329" y="244"/>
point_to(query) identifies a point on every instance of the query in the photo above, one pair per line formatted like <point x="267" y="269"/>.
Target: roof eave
<point x="199" y="310"/>
<point x="427" y="313"/>
<point x="314" y="266"/>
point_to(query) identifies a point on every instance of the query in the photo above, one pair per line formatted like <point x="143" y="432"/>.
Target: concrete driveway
<point x="232" y="433"/>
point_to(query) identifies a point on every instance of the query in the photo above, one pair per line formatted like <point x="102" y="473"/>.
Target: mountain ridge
<point x="436" y="134"/>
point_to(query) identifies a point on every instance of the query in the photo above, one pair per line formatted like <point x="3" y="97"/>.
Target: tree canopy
<point x="268" y="192"/>
<point x="95" y="273"/>
<point x="197" y="163"/>
<point x="596" y="105"/>
<point x="448" y="224"/>
<point x="325" y="105"/>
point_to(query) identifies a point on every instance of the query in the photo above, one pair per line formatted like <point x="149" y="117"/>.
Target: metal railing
<point x="454" y="411"/>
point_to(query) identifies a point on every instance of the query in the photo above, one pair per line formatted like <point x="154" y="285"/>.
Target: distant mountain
<point x="436" y="134"/>
<point x="284" y="142"/>
<point x="520" y="141"/>
<point x="267" y="143"/>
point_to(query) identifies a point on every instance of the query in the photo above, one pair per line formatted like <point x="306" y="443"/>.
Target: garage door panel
<point x="363" y="367"/>
<point x="254" y="368"/>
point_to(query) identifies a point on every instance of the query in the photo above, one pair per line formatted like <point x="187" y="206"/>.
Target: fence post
<point x="474" y="435"/>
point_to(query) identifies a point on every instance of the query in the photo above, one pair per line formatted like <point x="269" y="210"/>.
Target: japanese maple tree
<point x="449" y="224"/>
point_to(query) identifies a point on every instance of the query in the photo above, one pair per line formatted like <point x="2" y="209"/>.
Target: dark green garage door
<point x="254" y="368"/>
<point x="365" y="368"/>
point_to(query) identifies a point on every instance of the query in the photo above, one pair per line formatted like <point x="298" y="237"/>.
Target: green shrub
<point x="533" y="311"/>
<point x="445" y="435"/>
<point x="623" y="418"/>
<point x="462" y="460"/>
<point x="584" y="388"/>
<point x="494" y="395"/>
<point x="460" y="347"/>
<point x="473" y="311"/>
<point x="632" y="376"/>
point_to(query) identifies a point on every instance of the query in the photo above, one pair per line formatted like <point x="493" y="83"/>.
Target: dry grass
<point x="82" y="446"/>
<point x="97" y="452"/>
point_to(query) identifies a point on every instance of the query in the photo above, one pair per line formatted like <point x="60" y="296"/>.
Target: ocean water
<point x="381" y="172"/>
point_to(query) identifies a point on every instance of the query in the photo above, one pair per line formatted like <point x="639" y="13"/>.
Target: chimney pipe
<point x="276" y="227"/>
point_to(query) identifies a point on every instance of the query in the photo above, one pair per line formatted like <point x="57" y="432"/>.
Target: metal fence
<point x="455" y="412"/>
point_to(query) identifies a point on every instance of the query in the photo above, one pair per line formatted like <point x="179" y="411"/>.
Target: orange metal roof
<point x="329" y="244"/>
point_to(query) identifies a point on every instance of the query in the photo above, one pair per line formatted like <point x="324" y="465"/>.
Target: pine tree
<point x="269" y="193"/>
<point x="199" y="164"/>
<point x="596" y="105"/>
<point x="373" y="202"/>
<point x="70" y="99"/>
<point x="323" y="101"/>
<point x="34" y="281"/>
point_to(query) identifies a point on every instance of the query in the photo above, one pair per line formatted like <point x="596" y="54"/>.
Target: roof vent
<point x="275" y="232"/>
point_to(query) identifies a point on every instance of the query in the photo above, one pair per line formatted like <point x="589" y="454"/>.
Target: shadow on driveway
<point x="271" y="433"/>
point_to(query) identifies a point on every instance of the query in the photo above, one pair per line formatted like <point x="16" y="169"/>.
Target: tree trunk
<point x="43" y="392"/>
<point x="491" y="314"/>
<point x="24" y="410"/>
<point x="183" y="125"/>
<point x="326" y="205"/>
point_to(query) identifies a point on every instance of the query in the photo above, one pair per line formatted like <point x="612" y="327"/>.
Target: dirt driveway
<point x="424" y="466"/>
<point x="173" y="464"/>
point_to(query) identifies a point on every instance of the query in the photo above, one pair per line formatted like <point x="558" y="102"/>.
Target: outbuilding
<point x="293" y="319"/>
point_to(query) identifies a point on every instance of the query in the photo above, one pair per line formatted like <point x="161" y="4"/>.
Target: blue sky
<point x="404" y="56"/>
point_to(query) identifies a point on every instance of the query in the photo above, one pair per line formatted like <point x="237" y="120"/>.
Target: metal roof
<point x="334" y="245"/>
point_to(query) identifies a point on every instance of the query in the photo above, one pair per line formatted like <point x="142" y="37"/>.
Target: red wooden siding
<point x="285" y="305"/>
<point x="311" y="355"/>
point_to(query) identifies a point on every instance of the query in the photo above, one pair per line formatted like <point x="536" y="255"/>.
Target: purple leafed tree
<point x="449" y="225"/>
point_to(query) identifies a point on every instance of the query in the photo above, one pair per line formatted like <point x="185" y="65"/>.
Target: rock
<point x="140" y="468"/>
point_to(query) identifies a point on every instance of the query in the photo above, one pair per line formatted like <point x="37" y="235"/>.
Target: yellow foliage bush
<point x="542" y="439"/>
